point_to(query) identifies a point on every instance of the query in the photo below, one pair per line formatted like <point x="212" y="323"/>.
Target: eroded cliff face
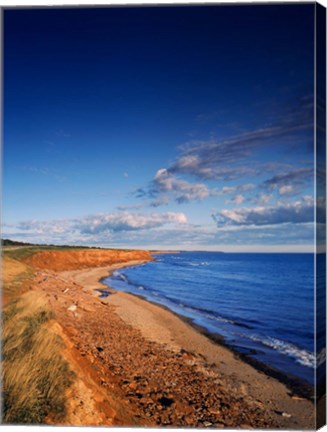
<point x="43" y="311"/>
<point x="80" y="259"/>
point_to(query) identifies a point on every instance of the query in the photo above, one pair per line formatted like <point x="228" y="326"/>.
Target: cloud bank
<point x="119" y="222"/>
<point x="296" y="212"/>
<point x="110" y="222"/>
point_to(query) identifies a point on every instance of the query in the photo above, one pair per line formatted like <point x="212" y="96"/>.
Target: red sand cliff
<point x="80" y="259"/>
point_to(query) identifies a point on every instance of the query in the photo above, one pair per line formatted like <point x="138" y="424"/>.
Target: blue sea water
<point x="262" y="304"/>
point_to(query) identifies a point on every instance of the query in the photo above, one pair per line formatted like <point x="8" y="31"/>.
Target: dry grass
<point x="22" y="252"/>
<point x="34" y="374"/>
<point x="15" y="277"/>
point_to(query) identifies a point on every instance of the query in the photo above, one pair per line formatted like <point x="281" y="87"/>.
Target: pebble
<point x="161" y="385"/>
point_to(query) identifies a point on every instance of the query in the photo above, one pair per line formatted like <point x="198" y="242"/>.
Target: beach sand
<point x="157" y="356"/>
<point x="138" y="364"/>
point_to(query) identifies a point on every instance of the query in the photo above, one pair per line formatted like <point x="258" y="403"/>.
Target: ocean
<point x="262" y="304"/>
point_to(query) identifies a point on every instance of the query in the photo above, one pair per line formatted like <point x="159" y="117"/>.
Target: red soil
<point x="79" y="259"/>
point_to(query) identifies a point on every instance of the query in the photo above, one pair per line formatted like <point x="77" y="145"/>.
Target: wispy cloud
<point x="238" y="199"/>
<point x="235" y="189"/>
<point x="290" y="181"/>
<point x="115" y="229"/>
<point x="296" y="212"/>
<point x="157" y="230"/>
<point x="220" y="159"/>
<point x="263" y="199"/>
<point x="43" y="227"/>
<point x="96" y="224"/>
<point x="234" y="159"/>
<point x="123" y="208"/>
<point x="118" y="222"/>
<point x="165" y="187"/>
<point x="287" y="189"/>
<point x="43" y="171"/>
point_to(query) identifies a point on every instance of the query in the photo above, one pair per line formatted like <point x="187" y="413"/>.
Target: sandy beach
<point x="244" y="386"/>
<point x="138" y="364"/>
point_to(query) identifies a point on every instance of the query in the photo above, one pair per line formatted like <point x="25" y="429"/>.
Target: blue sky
<point x="170" y="127"/>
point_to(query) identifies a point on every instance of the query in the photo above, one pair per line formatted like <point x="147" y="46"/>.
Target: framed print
<point x="164" y="216"/>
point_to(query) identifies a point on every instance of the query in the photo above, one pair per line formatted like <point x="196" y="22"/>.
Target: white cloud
<point x="285" y="189"/>
<point x="181" y="190"/>
<point x="166" y="187"/>
<point x="263" y="199"/>
<point x="294" y="212"/>
<point x="290" y="181"/>
<point x="220" y="159"/>
<point x="238" y="199"/>
<point x="125" y="221"/>
<point x="45" y="227"/>
<point x="95" y="224"/>
<point x="234" y="189"/>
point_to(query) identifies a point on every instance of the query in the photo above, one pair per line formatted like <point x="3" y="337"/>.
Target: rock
<point x="133" y="386"/>
<point x="207" y="424"/>
<point x="214" y="411"/>
<point x="72" y="308"/>
<point x="138" y="377"/>
<point x="165" y="401"/>
<point x="147" y="400"/>
<point x="283" y="414"/>
<point x="100" y="349"/>
<point x="189" y="421"/>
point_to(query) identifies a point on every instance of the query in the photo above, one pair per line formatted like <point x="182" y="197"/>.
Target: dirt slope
<point x="80" y="259"/>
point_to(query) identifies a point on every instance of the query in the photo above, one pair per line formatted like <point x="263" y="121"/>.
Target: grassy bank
<point x="21" y="252"/>
<point x="34" y="373"/>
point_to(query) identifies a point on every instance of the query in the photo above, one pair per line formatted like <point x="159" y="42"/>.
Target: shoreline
<point x="293" y="383"/>
<point x="159" y="324"/>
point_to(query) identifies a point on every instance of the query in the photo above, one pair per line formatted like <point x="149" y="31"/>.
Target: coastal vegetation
<point x="35" y="375"/>
<point x="34" y="372"/>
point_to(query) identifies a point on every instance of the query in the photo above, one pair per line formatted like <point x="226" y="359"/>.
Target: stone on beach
<point x="157" y="369"/>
